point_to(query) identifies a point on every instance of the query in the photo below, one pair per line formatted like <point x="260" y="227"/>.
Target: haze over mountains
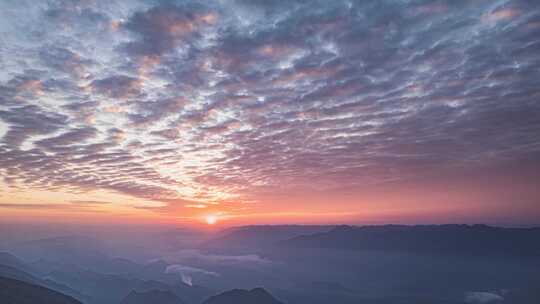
<point x="295" y="264"/>
<point x="246" y="237"/>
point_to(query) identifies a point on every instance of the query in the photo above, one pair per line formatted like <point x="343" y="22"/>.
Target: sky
<point x="391" y="111"/>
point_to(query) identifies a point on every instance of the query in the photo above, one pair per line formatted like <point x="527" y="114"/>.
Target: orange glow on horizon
<point x="211" y="219"/>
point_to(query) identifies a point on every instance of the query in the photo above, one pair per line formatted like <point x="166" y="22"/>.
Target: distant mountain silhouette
<point x="241" y="296"/>
<point x="18" y="292"/>
<point x="78" y="250"/>
<point x="151" y="297"/>
<point x="258" y="237"/>
<point x="451" y="239"/>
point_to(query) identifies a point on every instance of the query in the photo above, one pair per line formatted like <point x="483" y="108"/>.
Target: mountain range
<point x="440" y="239"/>
<point x="299" y="264"/>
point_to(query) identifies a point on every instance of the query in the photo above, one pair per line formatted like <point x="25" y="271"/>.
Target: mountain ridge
<point x="19" y="292"/>
<point x="152" y="296"/>
<point x="242" y="296"/>
<point x="449" y="238"/>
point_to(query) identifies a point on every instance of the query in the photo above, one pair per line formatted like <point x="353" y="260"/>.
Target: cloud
<point x="153" y="111"/>
<point x="64" y="60"/>
<point x="75" y="136"/>
<point x="188" y="270"/>
<point x="500" y="15"/>
<point x="198" y="206"/>
<point x="46" y="206"/>
<point x="32" y="206"/>
<point x="482" y="298"/>
<point x="195" y="103"/>
<point x="164" y="27"/>
<point x="87" y="203"/>
<point x="170" y="134"/>
<point x="30" y="120"/>
<point x="117" y="86"/>
<point x="197" y="255"/>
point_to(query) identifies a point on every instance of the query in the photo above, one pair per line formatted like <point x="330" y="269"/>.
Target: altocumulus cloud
<point x="225" y="100"/>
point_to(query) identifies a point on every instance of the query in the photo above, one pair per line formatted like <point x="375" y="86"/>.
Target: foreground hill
<point x="10" y="272"/>
<point x="11" y="260"/>
<point x="153" y="296"/>
<point x="241" y="296"/>
<point x="16" y="274"/>
<point x="18" y="292"/>
<point x="443" y="239"/>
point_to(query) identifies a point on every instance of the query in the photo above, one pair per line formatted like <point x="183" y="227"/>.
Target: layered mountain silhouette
<point x="19" y="292"/>
<point x="13" y="268"/>
<point x="451" y="239"/>
<point x="153" y="296"/>
<point x="242" y="296"/>
<point x="104" y="288"/>
<point x="74" y="249"/>
<point x="257" y="237"/>
<point x="386" y="264"/>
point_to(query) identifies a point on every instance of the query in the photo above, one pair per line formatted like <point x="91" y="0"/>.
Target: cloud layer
<point x="204" y="103"/>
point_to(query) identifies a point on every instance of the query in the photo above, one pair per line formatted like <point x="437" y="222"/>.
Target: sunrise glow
<point x="211" y="219"/>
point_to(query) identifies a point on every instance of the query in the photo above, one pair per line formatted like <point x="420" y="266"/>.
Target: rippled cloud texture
<point x="179" y="106"/>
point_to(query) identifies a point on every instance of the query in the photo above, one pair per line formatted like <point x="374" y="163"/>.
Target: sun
<point x="211" y="219"/>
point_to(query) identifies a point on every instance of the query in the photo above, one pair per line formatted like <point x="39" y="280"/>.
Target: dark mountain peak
<point x="260" y="292"/>
<point x="152" y="296"/>
<point x="14" y="291"/>
<point x="242" y="296"/>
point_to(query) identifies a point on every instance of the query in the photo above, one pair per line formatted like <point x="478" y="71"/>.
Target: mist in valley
<point x="102" y="265"/>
